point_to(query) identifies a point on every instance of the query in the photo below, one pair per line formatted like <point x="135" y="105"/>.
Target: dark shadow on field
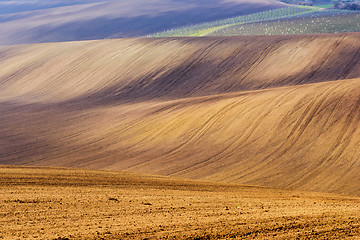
<point x="101" y="21"/>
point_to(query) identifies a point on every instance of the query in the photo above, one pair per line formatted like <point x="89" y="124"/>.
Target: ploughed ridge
<point x="273" y="111"/>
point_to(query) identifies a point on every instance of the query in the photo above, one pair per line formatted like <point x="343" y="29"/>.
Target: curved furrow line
<point x="353" y="63"/>
<point x="331" y="121"/>
<point x="141" y="49"/>
<point x="51" y="80"/>
<point x="160" y="131"/>
<point x="271" y="160"/>
<point x="310" y="112"/>
<point x="194" y="108"/>
<point x="173" y="68"/>
<point x="257" y="61"/>
<point x="212" y="158"/>
<point x="126" y="142"/>
<point x="132" y="126"/>
<point x="281" y="159"/>
<point x="240" y="139"/>
<point x="199" y="58"/>
<point x="241" y="142"/>
<point x="332" y="50"/>
<point x="220" y="70"/>
<point x="333" y="156"/>
<point x="194" y="135"/>
<point x="120" y="134"/>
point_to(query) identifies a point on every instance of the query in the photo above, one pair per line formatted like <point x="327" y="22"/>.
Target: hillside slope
<point x="282" y="115"/>
<point x="138" y="69"/>
<point x="63" y="20"/>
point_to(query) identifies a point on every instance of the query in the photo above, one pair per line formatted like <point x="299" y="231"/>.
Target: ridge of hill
<point x="142" y="69"/>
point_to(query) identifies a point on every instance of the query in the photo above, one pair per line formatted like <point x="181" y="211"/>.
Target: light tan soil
<point x="279" y="111"/>
<point x="44" y="203"/>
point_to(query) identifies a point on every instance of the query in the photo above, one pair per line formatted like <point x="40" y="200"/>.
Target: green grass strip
<point x="204" y="29"/>
<point x="324" y="6"/>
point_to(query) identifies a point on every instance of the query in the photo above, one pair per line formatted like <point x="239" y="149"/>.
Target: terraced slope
<point x="278" y="111"/>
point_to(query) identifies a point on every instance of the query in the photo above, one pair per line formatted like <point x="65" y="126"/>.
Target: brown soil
<point x="115" y="71"/>
<point x="281" y="112"/>
<point x="272" y="111"/>
<point x="48" y="203"/>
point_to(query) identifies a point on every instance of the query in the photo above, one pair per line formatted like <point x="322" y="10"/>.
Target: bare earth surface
<point x="48" y="203"/>
<point x="281" y="112"/>
<point x="272" y="111"/>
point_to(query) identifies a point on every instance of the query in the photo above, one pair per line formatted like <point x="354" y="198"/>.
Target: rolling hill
<point x="278" y="111"/>
<point x="63" y="20"/>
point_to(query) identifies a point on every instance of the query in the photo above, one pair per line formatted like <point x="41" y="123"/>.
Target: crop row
<point x="311" y="24"/>
<point x="208" y="27"/>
